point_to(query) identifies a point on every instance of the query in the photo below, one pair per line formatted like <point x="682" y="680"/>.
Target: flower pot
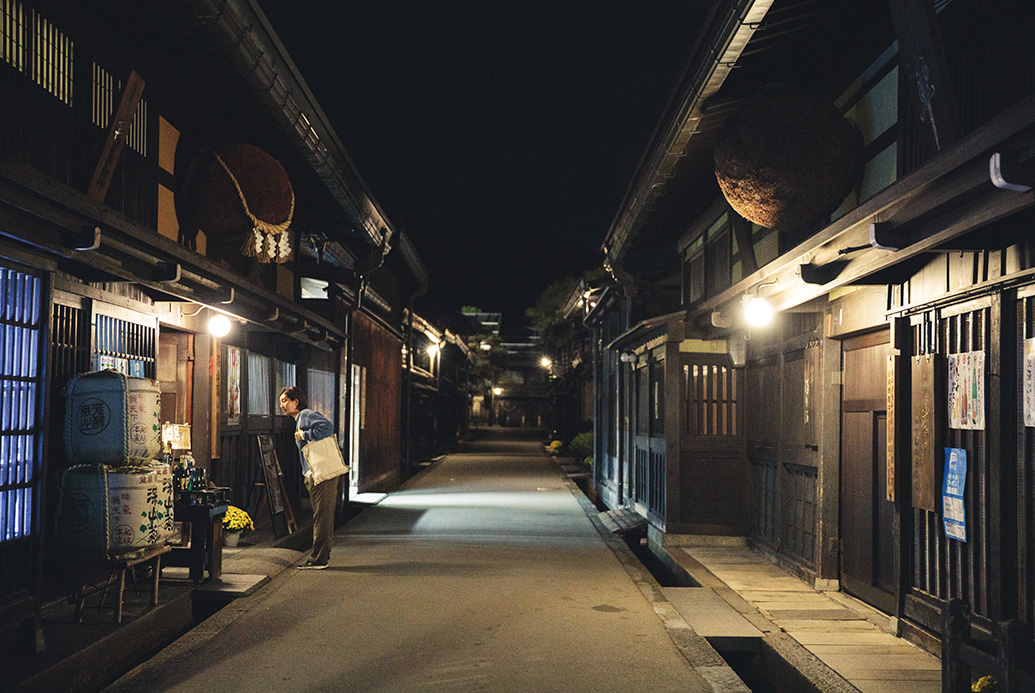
<point x="231" y="538"/>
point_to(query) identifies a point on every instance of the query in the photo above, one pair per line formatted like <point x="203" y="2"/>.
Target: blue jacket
<point x="314" y="426"/>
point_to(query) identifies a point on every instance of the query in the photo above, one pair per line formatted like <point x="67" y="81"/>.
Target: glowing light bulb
<point x="219" y="326"/>
<point x="758" y="312"/>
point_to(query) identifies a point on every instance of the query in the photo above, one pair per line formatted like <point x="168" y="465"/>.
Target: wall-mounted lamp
<point x="757" y="311"/>
<point x="219" y="325"/>
<point x="432" y="350"/>
<point x="627" y="357"/>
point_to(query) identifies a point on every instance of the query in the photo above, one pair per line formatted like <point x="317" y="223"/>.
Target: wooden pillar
<point x="899" y="481"/>
<point x="673" y="413"/>
<point x="828" y="527"/>
<point x="1001" y="418"/>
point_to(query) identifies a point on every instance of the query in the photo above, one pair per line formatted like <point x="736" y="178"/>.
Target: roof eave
<point x="681" y="118"/>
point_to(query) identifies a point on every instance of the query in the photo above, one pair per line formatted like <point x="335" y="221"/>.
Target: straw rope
<point x="264" y="243"/>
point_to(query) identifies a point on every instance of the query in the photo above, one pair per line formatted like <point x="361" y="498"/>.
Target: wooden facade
<point x="101" y="266"/>
<point x="902" y="321"/>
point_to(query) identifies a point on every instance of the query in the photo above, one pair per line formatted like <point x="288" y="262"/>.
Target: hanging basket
<point x="787" y="159"/>
<point x="240" y="194"/>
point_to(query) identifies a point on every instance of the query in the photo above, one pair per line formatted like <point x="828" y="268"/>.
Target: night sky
<point x="501" y="137"/>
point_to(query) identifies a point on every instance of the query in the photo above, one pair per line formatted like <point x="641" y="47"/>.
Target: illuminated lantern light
<point x="219" y="326"/>
<point x="758" y="312"/>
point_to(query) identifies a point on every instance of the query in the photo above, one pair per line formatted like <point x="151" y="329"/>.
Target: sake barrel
<point x="119" y="512"/>
<point x="111" y="418"/>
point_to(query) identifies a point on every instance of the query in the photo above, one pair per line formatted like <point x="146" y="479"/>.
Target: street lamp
<point x="545" y="362"/>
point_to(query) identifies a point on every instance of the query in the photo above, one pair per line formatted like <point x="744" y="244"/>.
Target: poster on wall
<point x="967" y="390"/>
<point x="233" y="386"/>
<point x="1029" y="382"/>
<point x="954" y="514"/>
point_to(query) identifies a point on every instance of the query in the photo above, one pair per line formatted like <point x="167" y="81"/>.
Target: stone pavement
<point x="841" y="632"/>
<point x="488" y="572"/>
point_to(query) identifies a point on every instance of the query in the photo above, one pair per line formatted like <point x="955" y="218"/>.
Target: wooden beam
<point x="745" y="244"/>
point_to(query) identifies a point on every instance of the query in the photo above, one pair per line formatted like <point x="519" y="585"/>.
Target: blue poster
<point x="954" y="481"/>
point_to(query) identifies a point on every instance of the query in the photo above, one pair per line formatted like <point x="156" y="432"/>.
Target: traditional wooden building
<point x="160" y="164"/>
<point x="864" y="167"/>
<point x="437" y="375"/>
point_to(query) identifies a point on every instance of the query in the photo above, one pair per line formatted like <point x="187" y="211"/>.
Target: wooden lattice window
<point x="52" y="60"/>
<point x="20" y="297"/>
<point x="12" y="34"/>
<point x="710" y="399"/>
<point x="125" y="346"/>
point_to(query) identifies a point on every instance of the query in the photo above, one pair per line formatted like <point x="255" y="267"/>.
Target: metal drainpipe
<point x="407" y="403"/>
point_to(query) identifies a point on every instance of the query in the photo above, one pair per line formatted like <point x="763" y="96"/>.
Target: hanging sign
<point x="954" y="481"/>
<point x="967" y="390"/>
<point x="1029" y="382"/>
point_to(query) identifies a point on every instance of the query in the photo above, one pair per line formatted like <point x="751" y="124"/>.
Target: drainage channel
<point x="753" y="661"/>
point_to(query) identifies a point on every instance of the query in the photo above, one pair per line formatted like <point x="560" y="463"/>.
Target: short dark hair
<point x="294" y="392"/>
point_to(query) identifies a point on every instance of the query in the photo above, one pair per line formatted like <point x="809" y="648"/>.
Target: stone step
<point x="713" y="618"/>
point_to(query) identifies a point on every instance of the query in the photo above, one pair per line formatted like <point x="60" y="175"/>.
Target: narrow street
<point x="483" y="573"/>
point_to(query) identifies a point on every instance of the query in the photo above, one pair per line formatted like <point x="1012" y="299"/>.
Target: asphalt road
<point x="482" y="574"/>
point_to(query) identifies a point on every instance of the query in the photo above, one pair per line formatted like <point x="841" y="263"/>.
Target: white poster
<point x="233" y="386"/>
<point x="1029" y="382"/>
<point x="967" y="390"/>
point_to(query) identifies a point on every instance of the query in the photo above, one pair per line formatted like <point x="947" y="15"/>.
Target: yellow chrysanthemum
<point x="237" y="520"/>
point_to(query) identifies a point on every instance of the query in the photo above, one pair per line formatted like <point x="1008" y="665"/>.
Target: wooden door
<point x="867" y="541"/>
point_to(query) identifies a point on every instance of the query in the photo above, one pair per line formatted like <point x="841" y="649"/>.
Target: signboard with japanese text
<point x="1028" y="368"/>
<point x="954" y="482"/>
<point x="967" y="390"/>
<point x="233" y="386"/>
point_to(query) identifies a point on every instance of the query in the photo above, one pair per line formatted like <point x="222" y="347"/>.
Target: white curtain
<point x="284" y="375"/>
<point x="321" y="392"/>
<point x="259" y="377"/>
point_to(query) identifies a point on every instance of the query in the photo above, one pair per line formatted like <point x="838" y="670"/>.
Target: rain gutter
<point x="681" y="119"/>
<point x="242" y="30"/>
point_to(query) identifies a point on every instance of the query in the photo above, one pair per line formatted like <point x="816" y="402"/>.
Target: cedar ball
<point x="787" y="159"/>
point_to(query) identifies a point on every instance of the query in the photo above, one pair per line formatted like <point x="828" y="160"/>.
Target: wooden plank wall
<point x="380" y="352"/>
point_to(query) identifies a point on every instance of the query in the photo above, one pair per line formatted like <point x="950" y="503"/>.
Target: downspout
<point x="408" y="390"/>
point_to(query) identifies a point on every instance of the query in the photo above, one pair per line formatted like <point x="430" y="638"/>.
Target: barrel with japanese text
<point x="114" y="512"/>
<point x="112" y="419"/>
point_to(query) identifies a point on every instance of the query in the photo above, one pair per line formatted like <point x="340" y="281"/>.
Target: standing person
<point x="312" y="426"/>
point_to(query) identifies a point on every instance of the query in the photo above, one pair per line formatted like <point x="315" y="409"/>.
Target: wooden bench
<point x="116" y="569"/>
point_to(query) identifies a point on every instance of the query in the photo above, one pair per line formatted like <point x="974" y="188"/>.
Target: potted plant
<point x="234" y="522"/>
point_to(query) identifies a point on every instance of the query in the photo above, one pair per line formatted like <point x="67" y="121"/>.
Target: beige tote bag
<point x="324" y="459"/>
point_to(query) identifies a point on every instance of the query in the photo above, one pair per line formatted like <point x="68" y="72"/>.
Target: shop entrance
<point x="176" y="375"/>
<point x="867" y="542"/>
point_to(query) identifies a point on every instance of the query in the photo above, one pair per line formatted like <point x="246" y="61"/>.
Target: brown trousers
<point x="322" y="496"/>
